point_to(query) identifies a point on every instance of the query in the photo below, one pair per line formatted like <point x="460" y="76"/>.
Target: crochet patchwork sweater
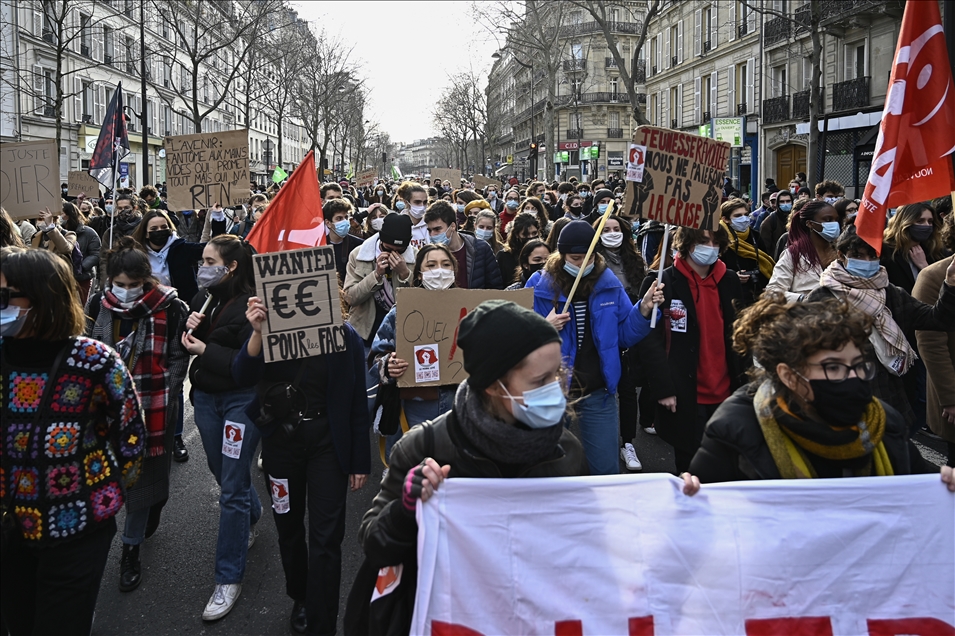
<point x="65" y="473"/>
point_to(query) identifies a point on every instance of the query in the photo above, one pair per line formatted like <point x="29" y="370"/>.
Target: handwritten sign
<point x="208" y="168"/>
<point x="80" y="182"/>
<point x="300" y="292"/>
<point x="675" y="177"/>
<point x="29" y="178"/>
<point x="366" y="177"/>
<point x="446" y="174"/>
<point x="481" y="182"/>
<point x="426" y="331"/>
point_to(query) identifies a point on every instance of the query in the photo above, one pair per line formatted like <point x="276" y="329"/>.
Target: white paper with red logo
<point x="427" y="366"/>
<point x="631" y="554"/>
<point x="636" y="159"/>
<point x="232" y="435"/>
<point x="280" y="496"/>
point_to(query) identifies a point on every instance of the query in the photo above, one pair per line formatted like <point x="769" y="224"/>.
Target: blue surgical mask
<point x="602" y="207"/>
<point x="109" y="208"/>
<point x="785" y="207"/>
<point x="459" y="207"/>
<point x="830" y="230"/>
<point x="573" y="270"/>
<point x="542" y="407"/>
<point x="400" y="205"/>
<point x="484" y="235"/>
<point x="704" y="255"/>
<point x="512" y="204"/>
<point x="740" y="223"/>
<point x="862" y="268"/>
<point x="441" y="239"/>
<point x="11" y="321"/>
<point x="831" y="200"/>
<point x="342" y="227"/>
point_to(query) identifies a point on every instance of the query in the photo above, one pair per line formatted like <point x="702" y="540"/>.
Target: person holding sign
<point x="694" y="367"/>
<point x="215" y="336"/>
<point x="809" y="412"/>
<point x="507" y="420"/>
<point x="313" y="418"/>
<point x="601" y="321"/>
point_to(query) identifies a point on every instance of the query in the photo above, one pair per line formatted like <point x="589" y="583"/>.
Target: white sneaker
<point x="222" y="601"/>
<point x="253" y="533"/>
<point x="259" y="462"/>
<point x="650" y="430"/>
<point x="629" y="457"/>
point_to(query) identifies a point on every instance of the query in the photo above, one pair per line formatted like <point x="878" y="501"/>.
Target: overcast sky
<point x="395" y="41"/>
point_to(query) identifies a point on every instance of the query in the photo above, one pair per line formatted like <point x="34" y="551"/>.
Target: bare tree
<point x="637" y="73"/>
<point x="67" y="26"/>
<point x="284" y="67"/>
<point x="215" y="39"/>
<point x="461" y="115"/>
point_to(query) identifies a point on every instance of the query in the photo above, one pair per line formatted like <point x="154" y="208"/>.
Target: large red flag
<point x="293" y="219"/>
<point x="912" y="160"/>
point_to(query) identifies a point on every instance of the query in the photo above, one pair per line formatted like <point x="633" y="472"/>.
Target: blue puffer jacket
<point x="483" y="272"/>
<point x="616" y="323"/>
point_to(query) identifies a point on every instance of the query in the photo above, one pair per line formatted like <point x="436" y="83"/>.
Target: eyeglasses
<point x="838" y="372"/>
<point x="6" y="294"/>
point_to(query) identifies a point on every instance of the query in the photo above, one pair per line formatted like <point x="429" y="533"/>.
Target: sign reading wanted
<point x="300" y="292"/>
<point x="29" y="178"/>
<point x="426" y="330"/>
<point x="208" y="168"/>
<point x="675" y="177"/>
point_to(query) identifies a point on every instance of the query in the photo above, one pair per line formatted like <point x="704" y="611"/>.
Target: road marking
<point x="931" y="454"/>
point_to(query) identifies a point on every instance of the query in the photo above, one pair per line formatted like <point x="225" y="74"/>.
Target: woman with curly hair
<point x="809" y="410"/>
<point x="811" y="234"/>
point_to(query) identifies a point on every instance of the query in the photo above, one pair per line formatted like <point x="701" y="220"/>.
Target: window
<point x="655" y="55"/>
<point x="780" y="87"/>
<point x="576" y="51"/>
<point x="575" y="121"/>
<point x="855" y="61"/>
<point x="87" y="99"/>
<point x="613" y="118"/>
<point x="614" y="90"/>
<point x="676" y="105"/>
<point x="130" y="58"/>
<point x="86" y="36"/>
<point x="108" y="36"/>
<point x="613" y="14"/>
<point x="576" y="17"/>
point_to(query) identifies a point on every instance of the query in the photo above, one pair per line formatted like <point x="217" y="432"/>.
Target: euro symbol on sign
<point x="278" y="301"/>
<point x="303" y="298"/>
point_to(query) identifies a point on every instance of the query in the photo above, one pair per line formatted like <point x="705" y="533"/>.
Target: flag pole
<point x="112" y="217"/>
<point x="593" y="244"/>
<point x="663" y="260"/>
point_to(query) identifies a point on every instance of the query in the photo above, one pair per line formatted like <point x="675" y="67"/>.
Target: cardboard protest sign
<point x="81" y="182"/>
<point x="300" y="292"/>
<point x="447" y="174"/>
<point x="208" y="168"/>
<point x="481" y="182"/>
<point x="426" y="331"/>
<point x="366" y="177"/>
<point x="675" y="177"/>
<point x="29" y="178"/>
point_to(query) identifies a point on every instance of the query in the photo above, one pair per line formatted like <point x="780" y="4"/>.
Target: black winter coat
<point x="756" y="284"/>
<point x="898" y="268"/>
<point x="734" y="448"/>
<point x="183" y="260"/>
<point x="674" y="363"/>
<point x="224" y="330"/>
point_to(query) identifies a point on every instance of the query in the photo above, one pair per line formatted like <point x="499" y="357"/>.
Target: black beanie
<point x="575" y="238"/>
<point x="496" y="336"/>
<point x="603" y="193"/>
<point x="396" y="230"/>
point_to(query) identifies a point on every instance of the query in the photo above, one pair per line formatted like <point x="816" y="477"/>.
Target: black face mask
<point x="159" y="237"/>
<point x="841" y="403"/>
<point x="531" y="268"/>
<point x="921" y="232"/>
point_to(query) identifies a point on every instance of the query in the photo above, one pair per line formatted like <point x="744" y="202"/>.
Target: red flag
<point x="293" y="219"/>
<point x="912" y="160"/>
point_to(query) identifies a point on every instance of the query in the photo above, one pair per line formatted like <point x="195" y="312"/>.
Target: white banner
<point x="631" y="554"/>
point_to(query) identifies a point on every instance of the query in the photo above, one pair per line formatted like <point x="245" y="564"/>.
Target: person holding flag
<point x="111" y="147"/>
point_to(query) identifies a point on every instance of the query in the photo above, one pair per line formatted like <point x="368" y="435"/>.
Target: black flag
<point x="113" y="143"/>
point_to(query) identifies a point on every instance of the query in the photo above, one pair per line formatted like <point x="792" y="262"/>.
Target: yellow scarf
<point x="787" y="448"/>
<point x="747" y="250"/>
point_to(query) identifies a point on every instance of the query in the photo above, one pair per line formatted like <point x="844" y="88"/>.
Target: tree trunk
<point x="813" y="151"/>
<point x="279" y="129"/>
<point x="550" y="140"/>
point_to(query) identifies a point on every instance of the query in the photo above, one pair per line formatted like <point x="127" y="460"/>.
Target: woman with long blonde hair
<point x="911" y="243"/>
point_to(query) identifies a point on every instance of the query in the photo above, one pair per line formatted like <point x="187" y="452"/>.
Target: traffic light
<point x="533" y="151"/>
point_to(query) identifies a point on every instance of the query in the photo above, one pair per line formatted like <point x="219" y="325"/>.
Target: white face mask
<point x="377" y="223"/>
<point x="127" y="295"/>
<point x="611" y="239"/>
<point x="417" y="211"/>
<point x="437" y="279"/>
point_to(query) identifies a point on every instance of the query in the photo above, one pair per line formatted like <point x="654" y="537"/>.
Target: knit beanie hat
<point x="603" y="193"/>
<point x="396" y="230"/>
<point x="496" y="336"/>
<point x="575" y="238"/>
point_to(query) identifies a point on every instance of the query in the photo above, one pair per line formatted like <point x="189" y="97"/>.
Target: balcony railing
<point x="574" y="65"/>
<point x="776" y="30"/>
<point x="803" y="16"/>
<point x="706" y="46"/>
<point x="640" y="72"/>
<point x="836" y="10"/>
<point x="574" y="133"/>
<point x="568" y="30"/>
<point x="801" y="105"/>
<point x="776" y="110"/>
<point x="674" y="60"/>
<point x="615" y="133"/>
<point x="674" y="123"/>
<point x="707" y="116"/>
<point x="741" y="109"/>
<point x="742" y="28"/>
<point x="593" y="98"/>
<point x="850" y="94"/>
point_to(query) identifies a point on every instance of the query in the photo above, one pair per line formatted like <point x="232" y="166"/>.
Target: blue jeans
<point x="418" y="411"/>
<point x="599" y="431"/>
<point x="239" y="506"/>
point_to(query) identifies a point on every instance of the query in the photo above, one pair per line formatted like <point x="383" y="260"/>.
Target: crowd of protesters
<point x="784" y="347"/>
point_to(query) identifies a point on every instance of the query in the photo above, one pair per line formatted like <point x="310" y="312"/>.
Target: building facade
<point x="96" y="46"/>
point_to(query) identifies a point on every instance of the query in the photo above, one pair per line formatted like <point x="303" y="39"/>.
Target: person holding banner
<point x="313" y="417"/>
<point x="809" y="411"/>
<point x="216" y="334"/>
<point x="745" y="253"/>
<point x="507" y="420"/>
<point x="600" y="323"/>
<point x="812" y="232"/>
<point x="694" y="366"/>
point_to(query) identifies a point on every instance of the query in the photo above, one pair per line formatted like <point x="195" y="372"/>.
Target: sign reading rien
<point x="207" y="168"/>
<point x="300" y="292"/>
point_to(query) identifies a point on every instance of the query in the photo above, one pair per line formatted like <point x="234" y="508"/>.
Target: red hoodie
<point x="712" y="375"/>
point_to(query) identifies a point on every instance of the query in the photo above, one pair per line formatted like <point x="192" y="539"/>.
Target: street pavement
<point x="178" y="560"/>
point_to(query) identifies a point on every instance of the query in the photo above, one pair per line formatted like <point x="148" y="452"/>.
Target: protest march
<point x="468" y="394"/>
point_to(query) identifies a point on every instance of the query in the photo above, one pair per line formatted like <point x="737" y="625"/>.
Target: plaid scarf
<point x="144" y="354"/>
<point x="868" y="296"/>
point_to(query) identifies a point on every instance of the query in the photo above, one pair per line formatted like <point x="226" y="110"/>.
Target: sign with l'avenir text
<point x="300" y="291"/>
<point x="426" y="330"/>
<point x="675" y="177"/>
<point x="207" y="168"/>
